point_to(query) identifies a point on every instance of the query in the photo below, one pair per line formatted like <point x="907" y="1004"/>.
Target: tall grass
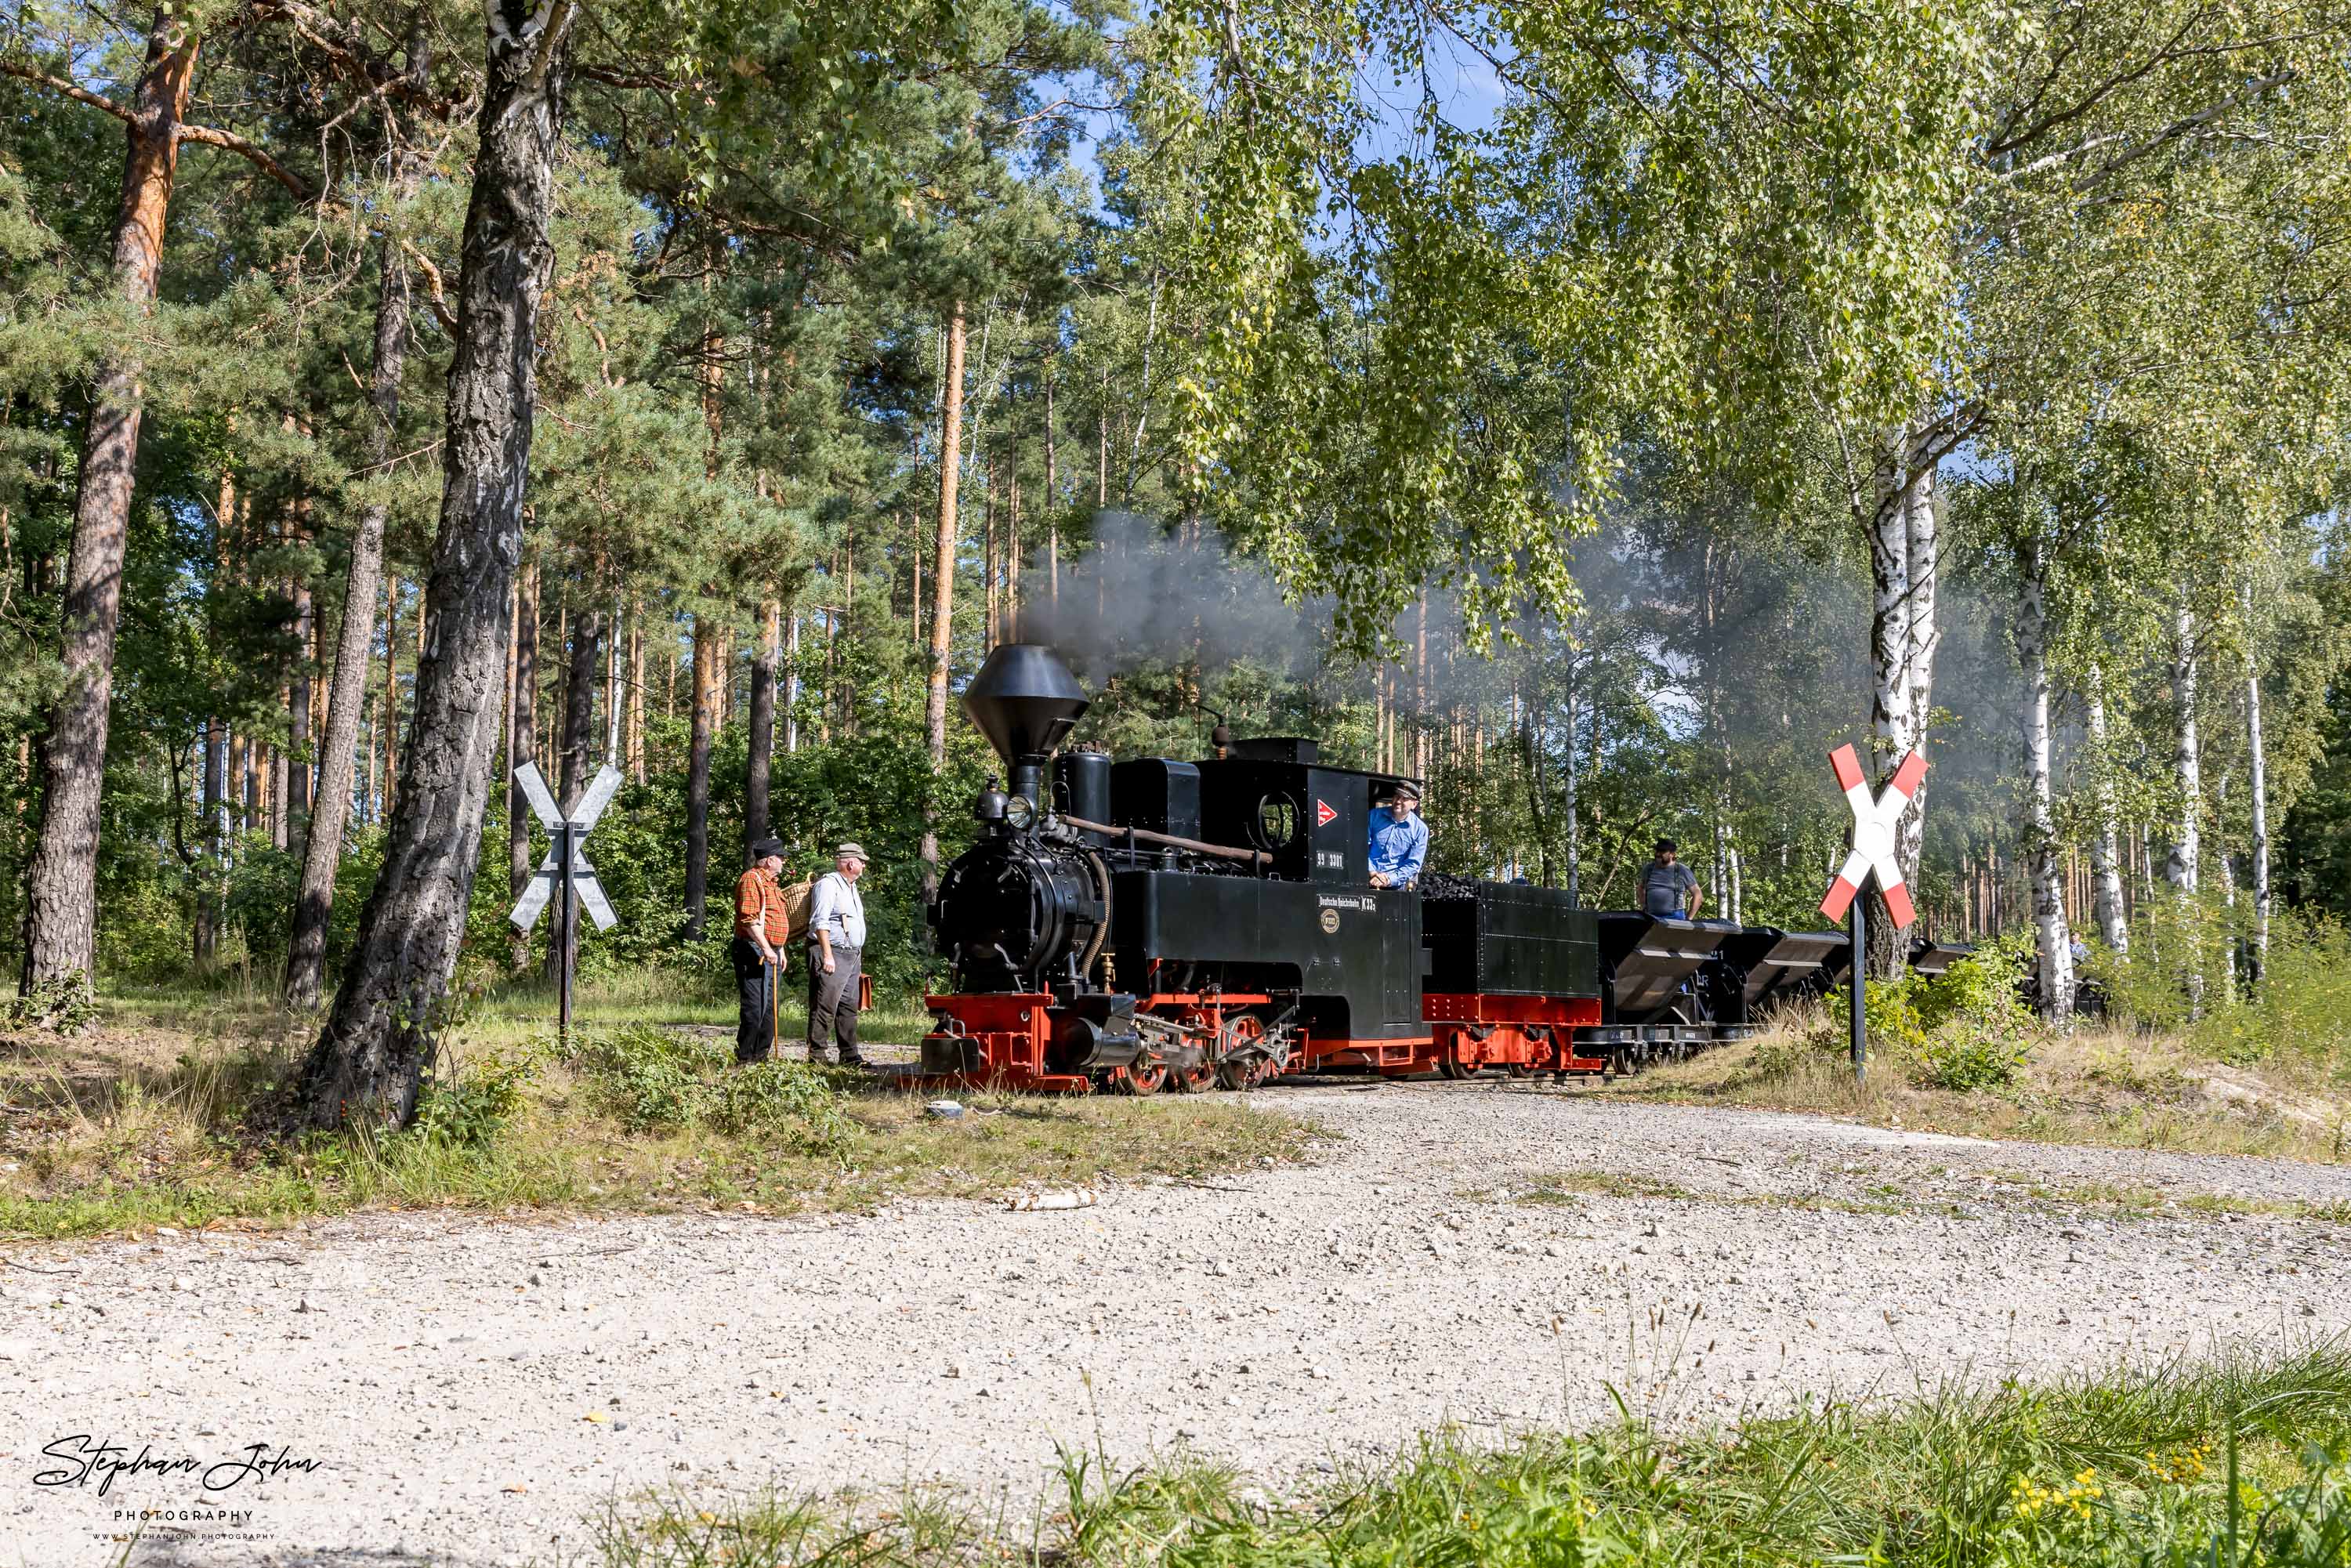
<point x="2240" y="1462"/>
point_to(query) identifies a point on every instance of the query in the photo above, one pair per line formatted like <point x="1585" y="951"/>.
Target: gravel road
<point x="470" y="1391"/>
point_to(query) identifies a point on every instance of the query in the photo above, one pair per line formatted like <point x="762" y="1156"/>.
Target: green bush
<point x="1895" y="1027"/>
<point x="1966" y="1057"/>
<point x="654" y="1079"/>
<point x="470" y="1106"/>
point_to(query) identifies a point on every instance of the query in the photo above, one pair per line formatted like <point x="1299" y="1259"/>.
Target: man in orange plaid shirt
<point x="761" y="930"/>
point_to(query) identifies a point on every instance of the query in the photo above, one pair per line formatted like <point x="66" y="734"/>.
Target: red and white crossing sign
<point x="1873" y="836"/>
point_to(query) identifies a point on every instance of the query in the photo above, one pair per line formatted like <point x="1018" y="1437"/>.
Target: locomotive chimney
<point x="1026" y="701"/>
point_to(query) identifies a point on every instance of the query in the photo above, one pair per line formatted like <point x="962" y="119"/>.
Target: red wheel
<point x="1142" y="1079"/>
<point x="1452" y="1065"/>
<point x="1242" y="1032"/>
<point x="1193" y="1080"/>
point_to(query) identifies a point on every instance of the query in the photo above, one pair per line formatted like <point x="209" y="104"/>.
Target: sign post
<point x="565" y="871"/>
<point x="1871" y="855"/>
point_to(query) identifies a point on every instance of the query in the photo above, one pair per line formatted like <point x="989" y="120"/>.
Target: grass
<point x="1566" y="1187"/>
<point x="144" y="1121"/>
<point x="2238" y="1462"/>
<point x="2096" y="1085"/>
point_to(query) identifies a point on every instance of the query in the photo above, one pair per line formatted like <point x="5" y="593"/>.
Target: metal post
<point x="567" y="931"/>
<point x="1860" y="984"/>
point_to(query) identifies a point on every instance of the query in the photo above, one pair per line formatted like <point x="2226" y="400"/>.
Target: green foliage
<point x="65" y="1004"/>
<point x="656" y="1080"/>
<point x="1966" y="1058"/>
<point x="469" y="1105"/>
<point x="2133" y="1469"/>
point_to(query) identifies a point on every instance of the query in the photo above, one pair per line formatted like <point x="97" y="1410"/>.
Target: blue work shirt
<point x="1398" y="848"/>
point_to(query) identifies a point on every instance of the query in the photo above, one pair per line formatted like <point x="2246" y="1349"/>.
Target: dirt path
<point x="471" y="1391"/>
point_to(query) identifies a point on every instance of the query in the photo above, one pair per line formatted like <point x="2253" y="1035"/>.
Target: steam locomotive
<point x="1148" y="924"/>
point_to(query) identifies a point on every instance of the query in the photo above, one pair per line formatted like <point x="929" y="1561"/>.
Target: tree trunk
<point x="1903" y="545"/>
<point x="1569" y="806"/>
<point x="579" y="752"/>
<point x="705" y="700"/>
<point x="2183" y="868"/>
<point x="216" y="838"/>
<point x="1052" y="502"/>
<point x="61" y="884"/>
<point x="580" y="669"/>
<point x="2106" y="849"/>
<point x="2053" y="941"/>
<point x="522" y="744"/>
<point x="759" y="756"/>
<point x="792" y="683"/>
<point x="300" y="753"/>
<point x="636" y="697"/>
<point x="2260" y="803"/>
<point x="368" y="1061"/>
<point x="305" y="958"/>
<point x="935" y="704"/>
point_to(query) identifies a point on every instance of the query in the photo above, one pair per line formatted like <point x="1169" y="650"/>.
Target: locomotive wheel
<point x="1194" y="1080"/>
<point x="1453" y="1067"/>
<point x="1140" y="1079"/>
<point x="1524" y="1068"/>
<point x="1243" y="1030"/>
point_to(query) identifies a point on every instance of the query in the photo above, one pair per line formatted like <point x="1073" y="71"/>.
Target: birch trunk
<point x="368" y="1061"/>
<point x="61" y="884"/>
<point x="306" y="957"/>
<point x="2183" y="868"/>
<point x="2260" y="803"/>
<point x="934" y="705"/>
<point x="2107" y="849"/>
<point x="1903" y="562"/>
<point x="2053" y="941"/>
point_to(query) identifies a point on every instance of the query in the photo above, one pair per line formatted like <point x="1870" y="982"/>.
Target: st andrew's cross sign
<point x="566" y="871"/>
<point x="1873" y="822"/>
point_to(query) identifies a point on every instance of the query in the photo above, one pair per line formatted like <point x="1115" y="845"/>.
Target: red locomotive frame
<point x="1468" y="1032"/>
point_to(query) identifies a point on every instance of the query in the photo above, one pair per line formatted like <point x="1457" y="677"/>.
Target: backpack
<point x="796" y="908"/>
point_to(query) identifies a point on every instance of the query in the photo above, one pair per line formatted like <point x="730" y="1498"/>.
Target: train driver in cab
<point x="1399" y="838"/>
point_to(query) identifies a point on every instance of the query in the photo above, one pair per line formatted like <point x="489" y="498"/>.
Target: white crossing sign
<point x="582" y="878"/>
<point x="1874" y="822"/>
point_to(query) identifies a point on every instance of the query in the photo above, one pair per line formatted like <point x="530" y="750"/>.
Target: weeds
<point x="149" y="1121"/>
<point x="2239" y="1463"/>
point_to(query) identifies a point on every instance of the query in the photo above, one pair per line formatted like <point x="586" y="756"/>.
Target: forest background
<point x="1597" y="412"/>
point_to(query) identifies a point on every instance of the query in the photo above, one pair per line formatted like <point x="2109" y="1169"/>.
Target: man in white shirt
<point x="836" y="934"/>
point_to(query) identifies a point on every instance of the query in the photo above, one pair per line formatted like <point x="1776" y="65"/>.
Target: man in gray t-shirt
<point x="1668" y="891"/>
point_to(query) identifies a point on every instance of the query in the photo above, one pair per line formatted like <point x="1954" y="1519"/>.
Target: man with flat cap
<point x="836" y="933"/>
<point x="1399" y="838"/>
<point x="762" y="929"/>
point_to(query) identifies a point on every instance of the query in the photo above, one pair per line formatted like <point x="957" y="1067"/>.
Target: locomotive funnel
<point x="1025" y="700"/>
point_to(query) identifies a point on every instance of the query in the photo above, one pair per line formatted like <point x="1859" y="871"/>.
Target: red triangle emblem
<point x="1324" y="815"/>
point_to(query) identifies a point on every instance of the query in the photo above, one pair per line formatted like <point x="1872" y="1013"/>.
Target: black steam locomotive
<point x="1147" y="924"/>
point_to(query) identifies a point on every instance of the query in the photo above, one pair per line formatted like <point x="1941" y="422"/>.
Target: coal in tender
<point x="1443" y="887"/>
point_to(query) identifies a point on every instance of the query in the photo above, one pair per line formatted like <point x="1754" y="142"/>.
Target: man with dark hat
<point x="761" y="930"/>
<point x="1399" y="840"/>
<point x="836" y="933"/>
